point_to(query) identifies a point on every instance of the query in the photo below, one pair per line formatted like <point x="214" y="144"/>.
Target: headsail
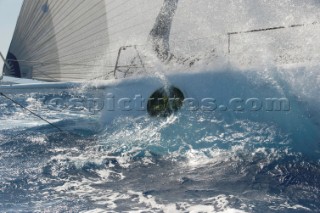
<point x="58" y="40"/>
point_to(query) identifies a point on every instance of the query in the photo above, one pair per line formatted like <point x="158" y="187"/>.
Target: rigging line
<point x="5" y="62"/>
<point x="266" y="29"/>
<point x="249" y="31"/>
<point x="81" y="73"/>
<point x="274" y="28"/>
<point x="64" y="64"/>
<point x="240" y="32"/>
<point x="74" y="71"/>
<point x="88" y="61"/>
<point x="33" y="113"/>
<point x="56" y="63"/>
<point x="111" y="72"/>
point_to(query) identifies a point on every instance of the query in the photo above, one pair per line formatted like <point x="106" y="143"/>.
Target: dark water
<point x="179" y="164"/>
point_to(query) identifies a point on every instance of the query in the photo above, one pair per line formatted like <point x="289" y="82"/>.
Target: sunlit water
<point x="188" y="162"/>
<point x="191" y="161"/>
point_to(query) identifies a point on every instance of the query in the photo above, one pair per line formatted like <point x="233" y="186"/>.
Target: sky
<point x="9" y="12"/>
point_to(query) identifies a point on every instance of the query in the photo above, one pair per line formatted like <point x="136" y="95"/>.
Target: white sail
<point x="58" y="40"/>
<point x="75" y="40"/>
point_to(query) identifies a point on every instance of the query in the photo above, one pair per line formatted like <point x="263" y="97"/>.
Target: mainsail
<point x="58" y="40"/>
<point x="75" y="40"/>
<point x="79" y="40"/>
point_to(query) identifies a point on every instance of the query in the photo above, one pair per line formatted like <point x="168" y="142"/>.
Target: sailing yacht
<point x="123" y="59"/>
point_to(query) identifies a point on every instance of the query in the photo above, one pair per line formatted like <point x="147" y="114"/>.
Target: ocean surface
<point x="187" y="162"/>
<point x="191" y="161"/>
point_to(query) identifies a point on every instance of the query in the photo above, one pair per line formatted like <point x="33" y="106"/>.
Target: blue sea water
<point x="209" y="166"/>
<point x="188" y="162"/>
